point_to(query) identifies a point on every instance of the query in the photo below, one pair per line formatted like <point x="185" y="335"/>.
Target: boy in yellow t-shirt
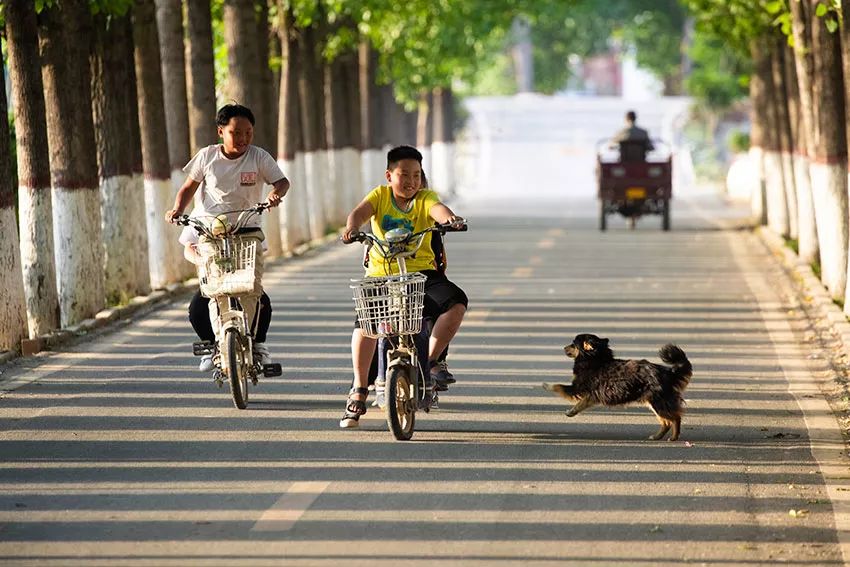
<point x="404" y="203"/>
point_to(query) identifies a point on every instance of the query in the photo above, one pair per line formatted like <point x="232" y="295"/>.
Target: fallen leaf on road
<point x="655" y="529"/>
<point x="783" y="436"/>
<point x="688" y="444"/>
<point x="798" y="513"/>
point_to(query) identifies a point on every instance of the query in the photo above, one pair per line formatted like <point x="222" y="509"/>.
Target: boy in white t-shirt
<point x="230" y="176"/>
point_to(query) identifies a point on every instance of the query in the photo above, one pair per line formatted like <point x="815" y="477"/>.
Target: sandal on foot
<point x="354" y="409"/>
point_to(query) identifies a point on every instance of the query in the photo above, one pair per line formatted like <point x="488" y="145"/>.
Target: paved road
<point x="118" y="452"/>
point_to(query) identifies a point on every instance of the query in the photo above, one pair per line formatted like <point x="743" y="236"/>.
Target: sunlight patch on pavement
<point x="290" y="507"/>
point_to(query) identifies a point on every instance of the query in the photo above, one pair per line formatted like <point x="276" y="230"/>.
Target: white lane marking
<point x="290" y="507"/>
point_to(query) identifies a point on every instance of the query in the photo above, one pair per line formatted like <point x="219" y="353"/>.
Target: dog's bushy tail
<point x="675" y="357"/>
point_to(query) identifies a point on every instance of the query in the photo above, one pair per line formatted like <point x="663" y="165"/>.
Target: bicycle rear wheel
<point x="237" y="372"/>
<point x="401" y="402"/>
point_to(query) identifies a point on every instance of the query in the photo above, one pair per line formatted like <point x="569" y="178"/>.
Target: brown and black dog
<point x="599" y="378"/>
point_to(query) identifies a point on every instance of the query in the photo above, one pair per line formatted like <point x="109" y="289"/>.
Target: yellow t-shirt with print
<point x="388" y="216"/>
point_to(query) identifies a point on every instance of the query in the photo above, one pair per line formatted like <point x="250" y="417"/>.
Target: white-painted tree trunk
<point x="757" y="203"/>
<point x="353" y="174"/>
<point x="443" y="168"/>
<point x="35" y="211"/>
<point x="78" y="247"/>
<point x="116" y="213"/>
<point x="13" y="310"/>
<point x="788" y="179"/>
<point x="184" y="269"/>
<point x="427" y="164"/>
<point x="165" y="256"/>
<point x="138" y="235"/>
<point x="313" y="181"/>
<point x="334" y="195"/>
<point x="373" y="167"/>
<point x="807" y="237"/>
<point x="271" y="227"/>
<point x="294" y="226"/>
<point x="829" y="188"/>
<point x="777" y="207"/>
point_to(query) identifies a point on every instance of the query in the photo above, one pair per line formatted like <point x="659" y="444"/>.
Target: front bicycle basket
<point x="230" y="269"/>
<point x="389" y="305"/>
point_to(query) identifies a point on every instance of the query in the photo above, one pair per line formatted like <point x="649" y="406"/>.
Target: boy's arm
<point x="361" y="213"/>
<point x="442" y="214"/>
<point x="184" y="197"/>
<point x="279" y="189"/>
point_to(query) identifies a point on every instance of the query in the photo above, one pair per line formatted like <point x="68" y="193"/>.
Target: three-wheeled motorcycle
<point x="635" y="179"/>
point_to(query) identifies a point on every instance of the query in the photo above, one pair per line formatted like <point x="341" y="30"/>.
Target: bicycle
<point x="390" y="308"/>
<point x="227" y="275"/>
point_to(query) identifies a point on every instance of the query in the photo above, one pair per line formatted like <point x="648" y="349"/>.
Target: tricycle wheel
<point x="665" y="215"/>
<point x="603" y="224"/>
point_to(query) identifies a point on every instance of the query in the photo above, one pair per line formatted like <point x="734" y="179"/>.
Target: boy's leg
<point x="362" y="352"/>
<point x="444" y="330"/>
<point x="199" y="317"/>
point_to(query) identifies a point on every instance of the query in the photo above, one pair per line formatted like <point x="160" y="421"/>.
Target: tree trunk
<point x="352" y="150"/>
<point x="73" y="163"/>
<point x="442" y="144"/>
<point x="34" y="197"/>
<point x="828" y="167"/>
<point x="111" y="72"/>
<point x="809" y="250"/>
<point x="240" y="36"/>
<point x="785" y="139"/>
<point x="372" y="158"/>
<point x="269" y="118"/>
<point x="165" y="254"/>
<point x="201" y="76"/>
<point x="425" y="129"/>
<point x="336" y="122"/>
<point x="138" y="231"/>
<point x="310" y="94"/>
<point x="845" y="57"/>
<point x="294" y="228"/>
<point x="777" y="204"/>
<point x="13" y="310"/>
<point x="758" y="130"/>
<point x="807" y="235"/>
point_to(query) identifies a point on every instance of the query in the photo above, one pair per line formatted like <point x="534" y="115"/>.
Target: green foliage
<point x="739" y="141"/>
<point x="718" y="75"/>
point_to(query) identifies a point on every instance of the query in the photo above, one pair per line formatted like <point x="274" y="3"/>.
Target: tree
<point x="73" y="163"/>
<point x="13" y="321"/>
<point x="165" y="255"/>
<point x="36" y="209"/>
<point x="201" y="75"/>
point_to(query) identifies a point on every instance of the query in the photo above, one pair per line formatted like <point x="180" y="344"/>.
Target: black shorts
<point x="440" y="296"/>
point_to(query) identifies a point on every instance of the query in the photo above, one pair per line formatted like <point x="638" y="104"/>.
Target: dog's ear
<point x="587" y="346"/>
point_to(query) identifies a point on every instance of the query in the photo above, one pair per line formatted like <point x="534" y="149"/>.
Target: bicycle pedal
<point x="270" y="370"/>
<point x="203" y="347"/>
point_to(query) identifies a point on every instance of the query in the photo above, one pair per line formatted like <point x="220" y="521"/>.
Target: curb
<point x="108" y="317"/>
<point x="816" y="294"/>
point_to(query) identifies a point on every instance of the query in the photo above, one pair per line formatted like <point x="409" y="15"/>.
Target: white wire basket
<point x="389" y="305"/>
<point x="230" y="268"/>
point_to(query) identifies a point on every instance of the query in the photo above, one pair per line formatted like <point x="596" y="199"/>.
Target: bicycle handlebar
<point x="241" y="220"/>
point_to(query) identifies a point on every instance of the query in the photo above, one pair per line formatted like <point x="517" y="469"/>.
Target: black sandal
<point x="354" y="408"/>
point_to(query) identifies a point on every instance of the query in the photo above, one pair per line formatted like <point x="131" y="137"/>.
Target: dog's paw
<point x="571" y="413"/>
<point x="548" y="387"/>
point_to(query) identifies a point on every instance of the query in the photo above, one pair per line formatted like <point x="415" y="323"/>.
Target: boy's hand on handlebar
<point x="350" y="235"/>
<point x="172" y="215"/>
<point x="273" y="199"/>
<point x="456" y="222"/>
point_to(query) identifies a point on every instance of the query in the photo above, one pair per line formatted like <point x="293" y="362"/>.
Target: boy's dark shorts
<point x="440" y="295"/>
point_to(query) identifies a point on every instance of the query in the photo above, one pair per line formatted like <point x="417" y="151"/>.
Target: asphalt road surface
<point x="117" y="451"/>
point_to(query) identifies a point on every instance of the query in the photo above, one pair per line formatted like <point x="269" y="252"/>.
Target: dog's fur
<point x="599" y="378"/>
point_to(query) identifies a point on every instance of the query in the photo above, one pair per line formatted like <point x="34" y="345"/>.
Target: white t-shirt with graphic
<point x="230" y="184"/>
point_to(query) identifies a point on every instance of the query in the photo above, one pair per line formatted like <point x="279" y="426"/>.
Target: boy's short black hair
<point x="399" y="153"/>
<point x="228" y="111"/>
<point x="631" y="116"/>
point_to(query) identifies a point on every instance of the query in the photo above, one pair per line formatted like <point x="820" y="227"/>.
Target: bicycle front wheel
<point x="237" y="371"/>
<point x="401" y="402"/>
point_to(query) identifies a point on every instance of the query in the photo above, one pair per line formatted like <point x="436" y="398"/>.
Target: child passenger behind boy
<point x="404" y="203"/>
<point x="231" y="176"/>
